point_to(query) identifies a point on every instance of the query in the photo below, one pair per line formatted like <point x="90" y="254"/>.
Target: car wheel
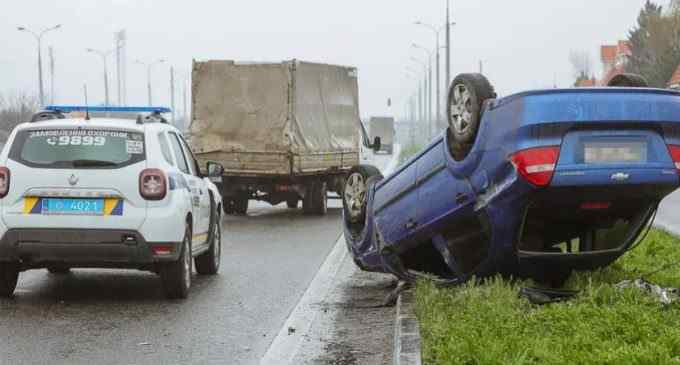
<point x="9" y="275"/>
<point x="467" y="94"/>
<point x="628" y="80"/>
<point x="355" y="192"/>
<point x="292" y="203"/>
<point x="59" y="270"/>
<point x="208" y="263"/>
<point x="176" y="276"/>
<point x="241" y="205"/>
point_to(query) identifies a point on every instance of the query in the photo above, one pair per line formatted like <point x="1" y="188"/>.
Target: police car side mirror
<point x="214" y="169"/>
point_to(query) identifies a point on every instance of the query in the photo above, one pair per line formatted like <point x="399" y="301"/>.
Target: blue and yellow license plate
<point x="73" y="206"/>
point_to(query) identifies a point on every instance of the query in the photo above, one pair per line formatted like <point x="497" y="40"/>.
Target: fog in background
<point x="523" y="43"/>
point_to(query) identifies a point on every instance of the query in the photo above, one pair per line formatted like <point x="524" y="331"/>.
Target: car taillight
<point x="152" y="185"/>
<point x="4" y="181"/>
<point x="536" y="165"/>
<point x="675" y="155"/>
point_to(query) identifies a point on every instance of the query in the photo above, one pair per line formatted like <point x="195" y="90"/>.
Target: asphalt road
<point x="121" y="317"/>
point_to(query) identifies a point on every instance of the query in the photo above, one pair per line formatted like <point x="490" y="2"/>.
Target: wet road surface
<point x="122" y="317"/>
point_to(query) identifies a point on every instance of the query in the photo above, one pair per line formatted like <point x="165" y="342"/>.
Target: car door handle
<point x="411" y="224"/>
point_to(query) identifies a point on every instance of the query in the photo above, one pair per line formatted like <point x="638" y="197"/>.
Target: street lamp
<point x="148" y="74"/>
<point x="428" y="88"/>
<point x="38" y="38"/>
<point x="436" y="32"/>
<point x="103" y="55"/>
<point x="424" y="95"/>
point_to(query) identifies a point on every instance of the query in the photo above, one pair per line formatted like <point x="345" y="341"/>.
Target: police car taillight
<point x="152" y="184"/>
<point x="675" y="155"/>
<point x="4" y="181"/>
<point x="536" y="165"/>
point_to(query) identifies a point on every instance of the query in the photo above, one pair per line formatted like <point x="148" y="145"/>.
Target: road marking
<point x="287" y="343"/>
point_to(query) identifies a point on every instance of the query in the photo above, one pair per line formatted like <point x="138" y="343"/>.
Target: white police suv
<point x="106" y="193"/>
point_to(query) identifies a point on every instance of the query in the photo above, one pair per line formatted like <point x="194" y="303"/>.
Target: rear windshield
<point x="78" y="148"/>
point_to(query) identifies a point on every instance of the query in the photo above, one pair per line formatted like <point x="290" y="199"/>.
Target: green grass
<point x="407" y="151"/>
<point x="489" y="324"/>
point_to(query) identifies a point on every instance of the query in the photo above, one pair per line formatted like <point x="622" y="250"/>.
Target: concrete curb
<point x="407" y="342"/>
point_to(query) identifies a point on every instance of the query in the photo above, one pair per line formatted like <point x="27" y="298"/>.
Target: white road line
<point x="287" y="343"/>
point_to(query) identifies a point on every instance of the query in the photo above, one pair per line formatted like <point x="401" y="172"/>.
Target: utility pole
<point x="38" y="38"/>
<point x="148" y="76"/>
<point x="185" y="120"/>
<point x="104" y="55"/>
<point x="448" y="45"/>
<point x="172" y="94"/>
<point x="51" y="51"/>
<point x="119" y="39"/>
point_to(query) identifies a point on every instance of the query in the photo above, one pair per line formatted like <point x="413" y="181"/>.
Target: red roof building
<point x="674" y="83"/>
<point x="614" y="59"/>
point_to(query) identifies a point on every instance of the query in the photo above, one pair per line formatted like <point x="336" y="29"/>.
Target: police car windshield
<point x="78" y="148"/>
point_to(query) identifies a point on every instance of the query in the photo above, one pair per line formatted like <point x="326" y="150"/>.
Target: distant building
<point x="674" y="83"/>
<point x="587" y="83"/>
<point x="614" y="59"/>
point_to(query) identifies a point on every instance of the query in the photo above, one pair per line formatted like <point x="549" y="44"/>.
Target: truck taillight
<point x="152" y="185"/>
<point x="675" y="155"/>
<point x="536" y="165"/>
<point x="4" y="181"/>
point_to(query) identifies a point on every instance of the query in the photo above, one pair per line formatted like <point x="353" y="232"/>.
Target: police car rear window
<point x="78" y="148"/>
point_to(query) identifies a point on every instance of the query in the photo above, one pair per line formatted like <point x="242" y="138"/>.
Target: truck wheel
<point x="208" y="263"/>
<point x="241" y="205"/>
<point x="227" y="206"/>
<point x="465" y="107"/>
<point x="628" y="80"/>
<point x="355" y="193"/>
<point x="292" y="203"/>
<point x="176" y="276"/>
<point x="9" y="275"/>
<point x="316" y="197"/>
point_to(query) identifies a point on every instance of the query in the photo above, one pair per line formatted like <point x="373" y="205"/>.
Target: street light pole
<point x="104" y="55"/>
<point x="38" y="38"/>
<point x="429" y="89"/>
<point x="437" y="31"/>
<point x="148" y="76"/>
<point x="448" y="44"/>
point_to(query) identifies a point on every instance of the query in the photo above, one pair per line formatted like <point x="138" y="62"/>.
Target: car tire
<point x="208" y="263"/>
<point x="628" y="80"/>
<point x="466" y="98"/>
<point x="241" y="205"/>
<point x="316" y="198"/>
<point x="176" y="276"/>
<point x="355" y="192"/>
<point x="59" y="270"/>
<point x="9" y="276"/>
<point x="292" y="203"/>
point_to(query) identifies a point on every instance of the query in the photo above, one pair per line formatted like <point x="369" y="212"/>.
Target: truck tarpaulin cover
<point x="284" y="108"/>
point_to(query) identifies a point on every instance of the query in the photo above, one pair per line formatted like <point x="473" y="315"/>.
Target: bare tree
<point x="16" y="107"/>
<point x="581" y="63"/>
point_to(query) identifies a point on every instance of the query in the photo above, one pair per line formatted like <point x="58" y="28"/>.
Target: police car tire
<point x="9" y="275"/>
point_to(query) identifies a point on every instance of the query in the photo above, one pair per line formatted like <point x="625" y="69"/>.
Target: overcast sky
<point x="523" y="43"/>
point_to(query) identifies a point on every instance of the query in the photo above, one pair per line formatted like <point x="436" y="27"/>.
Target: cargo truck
<point x="384" y="128"/>
<point x="283" y="132"/>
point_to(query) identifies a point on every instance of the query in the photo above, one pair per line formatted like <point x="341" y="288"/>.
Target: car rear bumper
<point x="36" y="248"/>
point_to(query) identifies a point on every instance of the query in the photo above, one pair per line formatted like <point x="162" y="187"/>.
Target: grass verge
<point x="489" y="324"/>
<point x="408" y="151"/>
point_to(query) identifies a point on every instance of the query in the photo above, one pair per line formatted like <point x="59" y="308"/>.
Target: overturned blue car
<point x="532" y="185"/>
